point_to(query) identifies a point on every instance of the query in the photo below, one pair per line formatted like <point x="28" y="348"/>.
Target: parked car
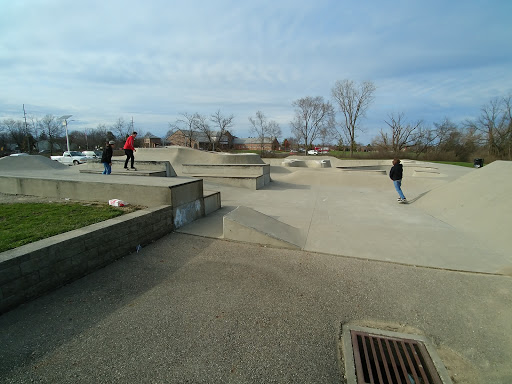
<point x="70" y="158"/>
<point x="312" y="152"/>
<point x="90" y="154"/>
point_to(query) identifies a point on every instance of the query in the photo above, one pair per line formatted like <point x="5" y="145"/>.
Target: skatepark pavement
<point x="193" y="307"/>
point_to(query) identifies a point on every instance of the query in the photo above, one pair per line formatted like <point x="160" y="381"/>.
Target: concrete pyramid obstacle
<point x="247" y="225"/>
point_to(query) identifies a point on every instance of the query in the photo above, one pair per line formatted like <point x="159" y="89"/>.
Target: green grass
<point x="24" y="223"/>
<point x="459" y="163"/>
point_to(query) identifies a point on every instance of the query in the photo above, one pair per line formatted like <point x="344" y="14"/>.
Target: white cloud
<point x="100" y="60"/>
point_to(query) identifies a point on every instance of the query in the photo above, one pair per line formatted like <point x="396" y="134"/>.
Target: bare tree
<point x="425" y="139"/>
<point x="202" y="125"/>
<point x="19" y="134"/>
<point x="222" y="124"/>
<point x="264" y="129"/>
<point x="313" y="118"/>
<point x="186" y="124"/>
<point x="353" y="101"/>
<point x="51" y="129"/>
<point x="402" y="133"/>
<point x="495" y="122"/>
<point x="121" y="129"/>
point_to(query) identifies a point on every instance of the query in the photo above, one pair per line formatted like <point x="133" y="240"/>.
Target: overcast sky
<point x="99" y="60"/>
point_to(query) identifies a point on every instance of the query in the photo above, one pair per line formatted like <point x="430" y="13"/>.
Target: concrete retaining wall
<point x="31" y="270"/>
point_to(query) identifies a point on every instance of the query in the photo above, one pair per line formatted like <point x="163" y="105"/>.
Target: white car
<point x="90" y="154"/>
<point x="70" y="158"/>
<point x="312" y="152"/>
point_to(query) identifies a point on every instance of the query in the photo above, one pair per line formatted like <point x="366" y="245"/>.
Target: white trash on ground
<point x="117" y="203"/>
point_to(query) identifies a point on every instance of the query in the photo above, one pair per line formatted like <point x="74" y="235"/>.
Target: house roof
<point x="201" y="137"/>
<point x="252" y="140"/>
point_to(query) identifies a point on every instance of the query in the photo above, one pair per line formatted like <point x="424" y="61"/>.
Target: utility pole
<point x="26" y="129"/>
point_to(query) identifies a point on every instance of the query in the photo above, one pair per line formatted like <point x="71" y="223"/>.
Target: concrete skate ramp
<point x="247" y="225"/>
<point x="479" y="202"/>
<point x="182" y="155"/>
<point x="32" y="162"/>
<point x="331" y="177"/>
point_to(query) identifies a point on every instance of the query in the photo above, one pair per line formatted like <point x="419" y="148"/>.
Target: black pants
<point x="129" y="155"/>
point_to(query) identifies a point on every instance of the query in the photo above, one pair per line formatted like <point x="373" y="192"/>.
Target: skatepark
<point x="255" y="288"/>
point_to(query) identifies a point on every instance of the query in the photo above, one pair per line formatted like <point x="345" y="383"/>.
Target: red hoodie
<point x="129" y="143"/>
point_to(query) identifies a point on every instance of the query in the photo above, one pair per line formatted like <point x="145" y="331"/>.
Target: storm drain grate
<point x="391" y="359"/>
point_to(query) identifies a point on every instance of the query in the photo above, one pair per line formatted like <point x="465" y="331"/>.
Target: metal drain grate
<point x="390" y="360"/>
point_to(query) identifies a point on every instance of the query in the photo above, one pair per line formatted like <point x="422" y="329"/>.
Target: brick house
<point x="152" y="142"/>
<point x="199" y="140"/>
<point x="255" y="144"/>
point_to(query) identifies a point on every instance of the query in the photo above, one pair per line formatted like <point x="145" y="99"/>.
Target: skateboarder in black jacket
<point x="396" y="174"/>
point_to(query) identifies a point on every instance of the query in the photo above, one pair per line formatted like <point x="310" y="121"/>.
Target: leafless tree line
<point x="192" y="125"/>
<point x="23" y="135"/>
<point x="489" y="134"/>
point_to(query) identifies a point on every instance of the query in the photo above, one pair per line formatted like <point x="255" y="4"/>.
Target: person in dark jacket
<point x="396" y="174"/>
<point x="106" y="157"/>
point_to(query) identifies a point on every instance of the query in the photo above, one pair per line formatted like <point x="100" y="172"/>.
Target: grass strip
<point x="24" y="223"/>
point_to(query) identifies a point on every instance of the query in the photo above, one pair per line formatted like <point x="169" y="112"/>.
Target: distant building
<point x="199" y="140"/>
<point x="255" y="144"/>
<point x="152" y="142"/>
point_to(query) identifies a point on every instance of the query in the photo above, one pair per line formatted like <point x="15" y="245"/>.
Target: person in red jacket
<point x="129" y="149"/>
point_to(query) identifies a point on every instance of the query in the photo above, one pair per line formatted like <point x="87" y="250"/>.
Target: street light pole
<point x="65" y="118"/>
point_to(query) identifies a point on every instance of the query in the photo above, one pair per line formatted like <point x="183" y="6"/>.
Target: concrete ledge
<point x="123" y="172"/>
<point x="161" y="191"/>
<point x="249" y="182"/>
<point x="227" y="169"/>
<point x="118" y="167"/>
<point x="31" y="270"/>
<point x="212" y="201"/>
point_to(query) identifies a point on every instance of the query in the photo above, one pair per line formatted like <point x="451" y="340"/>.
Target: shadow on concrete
<point x="37" y="328"/>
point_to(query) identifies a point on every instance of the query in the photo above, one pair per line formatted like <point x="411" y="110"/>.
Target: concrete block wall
<point x="34" y="269"/>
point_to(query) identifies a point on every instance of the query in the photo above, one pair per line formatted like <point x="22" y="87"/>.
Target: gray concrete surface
<point x="200" y="310"/>
<point x="464" y="227"/>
